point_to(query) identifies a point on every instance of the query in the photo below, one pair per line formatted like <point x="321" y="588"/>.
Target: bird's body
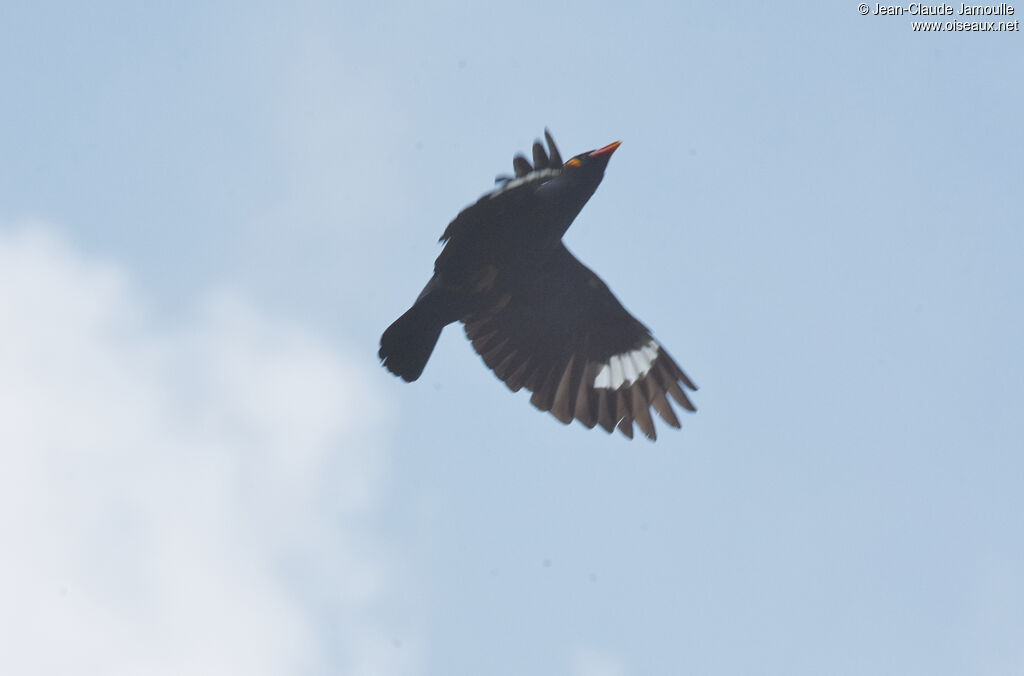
<point x="538" y="317"/>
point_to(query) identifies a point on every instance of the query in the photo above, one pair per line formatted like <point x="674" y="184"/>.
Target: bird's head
<point x="592" y="159"/>
<point x="566" y="185"/>
<point x="588" y="167"/>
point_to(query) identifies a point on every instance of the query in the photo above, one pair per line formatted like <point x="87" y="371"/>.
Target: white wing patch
<point x="628" y="367"/>
<point x="536" y="175"/>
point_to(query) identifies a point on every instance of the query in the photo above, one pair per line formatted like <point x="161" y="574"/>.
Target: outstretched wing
<point x="561" y="333"/>
<point x="511" y="191"/>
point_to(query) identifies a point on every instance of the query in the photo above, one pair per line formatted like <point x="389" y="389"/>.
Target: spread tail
<point x="407" y="344"/>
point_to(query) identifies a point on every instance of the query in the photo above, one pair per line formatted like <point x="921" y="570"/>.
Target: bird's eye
<point x="573" y="162"/>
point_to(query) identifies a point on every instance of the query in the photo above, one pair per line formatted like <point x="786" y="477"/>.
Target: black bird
<point x="539" y="317"/>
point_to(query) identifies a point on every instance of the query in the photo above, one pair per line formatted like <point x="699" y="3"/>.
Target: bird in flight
<point x="541" y="319"/>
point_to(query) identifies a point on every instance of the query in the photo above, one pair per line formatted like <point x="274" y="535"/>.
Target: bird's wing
<point x="510" y="191"/>
<point x="494" y="207"/>
<point x="564" y="336"/>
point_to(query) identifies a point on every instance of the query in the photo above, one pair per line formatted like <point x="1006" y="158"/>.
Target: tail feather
<point x="408" y="343"/>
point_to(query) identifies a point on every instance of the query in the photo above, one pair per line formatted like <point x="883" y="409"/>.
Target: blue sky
<point x="209" y="213"/>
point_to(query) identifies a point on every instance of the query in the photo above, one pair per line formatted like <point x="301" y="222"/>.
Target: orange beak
<point x="607" y="150"/>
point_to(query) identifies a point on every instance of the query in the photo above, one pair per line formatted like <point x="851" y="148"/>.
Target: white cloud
<point x="179" y="497"/>
<point x="587" y="661"/>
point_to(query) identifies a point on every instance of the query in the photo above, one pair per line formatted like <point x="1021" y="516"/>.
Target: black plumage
<point x="538" y="317"/>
